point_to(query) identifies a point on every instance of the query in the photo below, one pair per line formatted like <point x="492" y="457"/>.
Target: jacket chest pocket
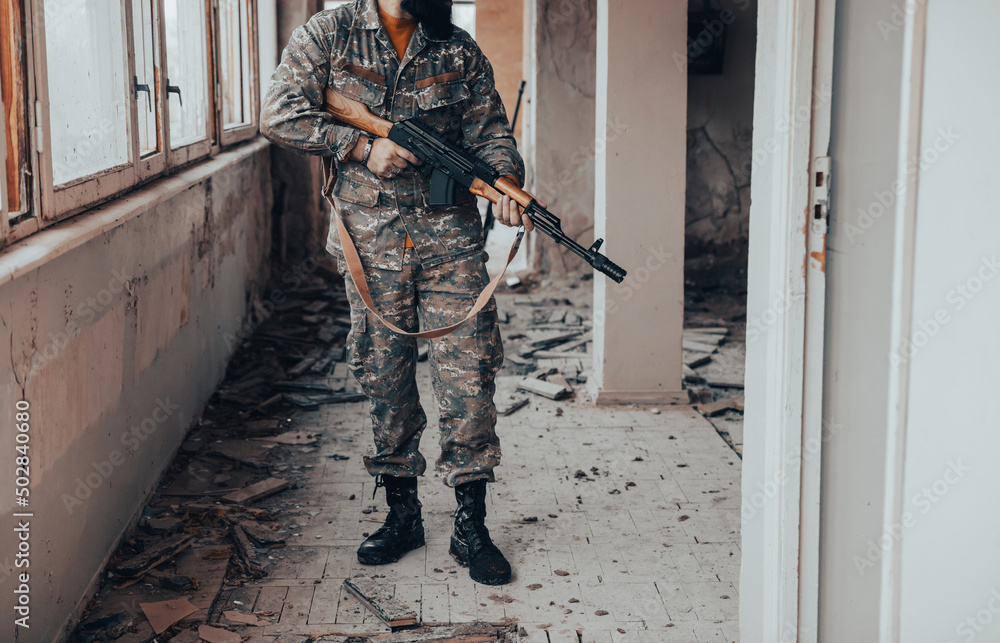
<point x="441" y="100"/>
<point x="359" y="84"/>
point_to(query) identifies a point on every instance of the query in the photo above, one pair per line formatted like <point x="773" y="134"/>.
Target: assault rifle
<point x="452" y="168"/>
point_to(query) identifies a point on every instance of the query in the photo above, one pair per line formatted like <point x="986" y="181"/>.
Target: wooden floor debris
<point x="543" y="388"/>
<point x="256" y="491"/>
<point x="379" y="598"/>
<point x="163" y="614"/>
<point x="158" y="554"/>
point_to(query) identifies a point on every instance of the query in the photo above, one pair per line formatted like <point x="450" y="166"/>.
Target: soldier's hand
<point x="388" y="159"/>
<point x="510" y="213"/>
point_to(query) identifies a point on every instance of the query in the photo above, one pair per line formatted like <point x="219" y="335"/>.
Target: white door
<point x="941" y="571"/>
<point x="785" y="310"/>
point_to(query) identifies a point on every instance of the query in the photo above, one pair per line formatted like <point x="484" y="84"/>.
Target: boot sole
<point x="463" y="560"/>
<point x="391" y="558"/>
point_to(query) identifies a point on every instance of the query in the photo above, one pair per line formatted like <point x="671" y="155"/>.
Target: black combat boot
<point x="470" y="542"/>
<point x="403" y="529"/>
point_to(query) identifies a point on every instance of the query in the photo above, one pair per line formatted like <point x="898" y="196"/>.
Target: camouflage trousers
<point x="463" y="364"/>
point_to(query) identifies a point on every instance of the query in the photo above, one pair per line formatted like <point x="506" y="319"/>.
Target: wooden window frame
<point x="197" y="150"/>
<point x="49" y="204"/>
<point x="242" y="132"/>
<point x="28" y="222"/>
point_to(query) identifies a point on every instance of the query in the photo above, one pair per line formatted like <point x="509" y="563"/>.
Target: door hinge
<point x="820" y="219"/>
<point x="39" y="138"/>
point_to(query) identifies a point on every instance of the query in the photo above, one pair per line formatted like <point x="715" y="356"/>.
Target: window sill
<point x="41" y="247"/>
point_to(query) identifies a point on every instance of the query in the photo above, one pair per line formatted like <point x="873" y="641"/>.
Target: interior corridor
<point x="622" y="523"/>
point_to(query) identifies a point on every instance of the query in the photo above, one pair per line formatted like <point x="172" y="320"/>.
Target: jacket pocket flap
<point x="355" y="192"/>
<point x="362" y="88"/>
<point x="441" y="94"/>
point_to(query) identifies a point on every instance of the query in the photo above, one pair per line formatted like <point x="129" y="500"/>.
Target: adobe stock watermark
<point x="885" y="200"/>
<point x="897" y="18"/>
<point x="922" y="503"/>
<point x="550" y="191"/>
<point x="924" y="330"/>
<point x="768" y="489"/>
<point x="711" y="30"/>
<point x="83" y="314"/>
<point x="131" y="439"/>
<point x="640" y="273"/>
<point x="292" y="279"/>
<point x="975" y="624"/>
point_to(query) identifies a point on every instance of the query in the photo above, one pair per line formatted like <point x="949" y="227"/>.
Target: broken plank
<point x="561" y="355"/>
<point x="721" y="406"/>
<point x="256" y="491"/>
<point x="710" y="330"/>
<point x="694" y="360"/>
<point x="724" y="384"/>
<point x="162" y="614"/>
<point x="153" y="556"/>
<point x="379" y="598"/>
<point x="465" y="633"/>
<point x="698" y="347"/>
<point x="545" y="389"/>
<point x="509" y="408"/>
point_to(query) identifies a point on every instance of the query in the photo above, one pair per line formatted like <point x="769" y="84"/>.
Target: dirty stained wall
<point x="720" y="123"/>
<point x="117" y="343"/>
<point x="564" y="53"/>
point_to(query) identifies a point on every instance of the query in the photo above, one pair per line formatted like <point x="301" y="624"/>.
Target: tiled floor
<point x="643" y="547"/>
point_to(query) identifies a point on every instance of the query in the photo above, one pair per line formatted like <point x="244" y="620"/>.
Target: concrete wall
<point x="639" y="202"/>
<point x="500" y="34"/>
<point x="563" y="52"/>
<point x="864" y="151"/>
<point x="301" y="214"/>
<point x="720" y="123"/>
<point x="113" y="324"/>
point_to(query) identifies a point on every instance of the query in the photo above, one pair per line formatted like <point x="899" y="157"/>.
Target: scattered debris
<point x="211" y="634"/>
<point x="510" y="408"/>
<point x="162" y="614"/>
<point x="158" y="554"/>
<point x="291" y="437"/>
<point x="379" y="599"/>
<point x="256" y="491"/>
<point x="721" y="406"/>
<point x="543" y="388"/>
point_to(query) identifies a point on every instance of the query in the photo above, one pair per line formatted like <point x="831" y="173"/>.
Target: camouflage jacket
<point x="447" y="83"/>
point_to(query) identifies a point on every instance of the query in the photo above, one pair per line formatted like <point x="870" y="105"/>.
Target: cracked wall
<point x="116" y="344"/>
<point x="720" y="124"/>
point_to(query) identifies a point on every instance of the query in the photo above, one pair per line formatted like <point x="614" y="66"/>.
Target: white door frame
<point x="910" y="123"/>
<point x="783" y="424"/>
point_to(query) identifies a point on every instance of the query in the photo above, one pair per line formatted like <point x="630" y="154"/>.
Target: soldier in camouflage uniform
<point x="420" y="261"/>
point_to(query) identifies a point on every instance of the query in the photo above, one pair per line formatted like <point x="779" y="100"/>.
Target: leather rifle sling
<point x="357" y="271"/>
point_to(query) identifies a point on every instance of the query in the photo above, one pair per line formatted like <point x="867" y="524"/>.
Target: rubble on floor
<point x="219" y="522"/>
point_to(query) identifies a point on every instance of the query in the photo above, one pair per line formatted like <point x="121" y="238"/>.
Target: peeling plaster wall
<point x="564" y="52"/>
<point x="720" y="123"/>
<point x="117" y="345"/>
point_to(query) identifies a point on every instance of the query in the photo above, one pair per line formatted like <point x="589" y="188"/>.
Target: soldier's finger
<point x="526" y="222"/>
<point x="408" y="156"/>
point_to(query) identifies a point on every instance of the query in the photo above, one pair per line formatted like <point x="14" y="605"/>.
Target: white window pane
<point x="464" y="16"/>
<point x="187" y="68"/>
<point x="88" y="100"/>
<point x="145" y="75"/>
<point x="234" y="45"/>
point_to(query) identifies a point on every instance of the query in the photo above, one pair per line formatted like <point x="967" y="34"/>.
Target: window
<point x="236" y="77"/>
<point x="88" y="132"/>
<point x="99" y="96"/>
<point x="463" y="14"/>
<point x="187" y="67"/>
<point x="16" y="189"/>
